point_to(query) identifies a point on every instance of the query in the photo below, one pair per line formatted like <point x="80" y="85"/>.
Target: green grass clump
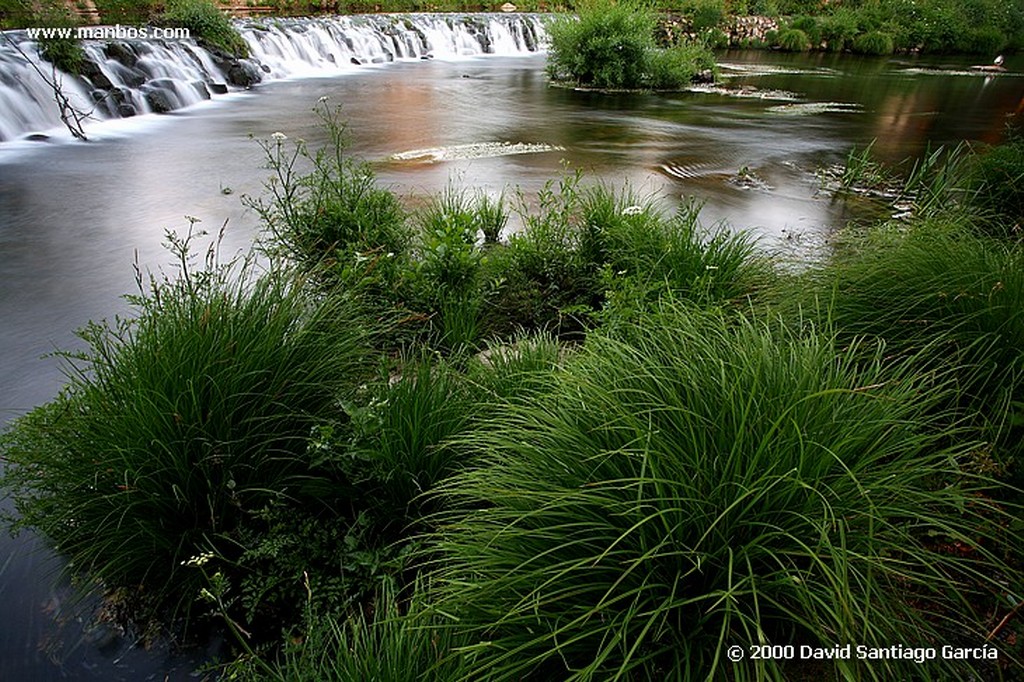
<point x="611" y="45"/>
<point x="704" y="480"/>
<point x="945" y="296"/>
<point x="875" y="42"/>
<point x="793" y="40"/>
<point x="811" y="28"/>
<point x="207" y="25"/>
<point x="995" y="182"/>
<point x="400" y="638"/>
<point x="178" y="424"/>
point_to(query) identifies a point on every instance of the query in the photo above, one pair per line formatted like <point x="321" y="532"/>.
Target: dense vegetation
<point x="611" y="45"/>
<point x="206" y="23"/>
<point x="414" y="446"/>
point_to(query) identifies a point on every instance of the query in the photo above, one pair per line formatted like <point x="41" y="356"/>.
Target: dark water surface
<point x="73" y="216"/>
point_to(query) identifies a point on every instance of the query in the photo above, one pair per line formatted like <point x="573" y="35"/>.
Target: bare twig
<point x="1006" y="619"/>
<point x="69" y="115"/>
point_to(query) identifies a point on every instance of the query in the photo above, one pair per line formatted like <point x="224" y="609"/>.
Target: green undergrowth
<point x="703" y="479"/>
<point x="207" y="24"/>
<point x="611" y="45"/>
<point x="560" y="437"/>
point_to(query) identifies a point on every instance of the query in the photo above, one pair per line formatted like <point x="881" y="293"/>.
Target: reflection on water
<point x="72" y="216"/>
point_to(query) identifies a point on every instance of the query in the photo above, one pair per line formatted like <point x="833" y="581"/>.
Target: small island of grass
<point x="611" y="46"/>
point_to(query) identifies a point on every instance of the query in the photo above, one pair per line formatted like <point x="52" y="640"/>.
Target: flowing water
<point x="74" y="216"/>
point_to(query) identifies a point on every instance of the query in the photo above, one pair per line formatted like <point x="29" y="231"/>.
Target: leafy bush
<point x="66" y="54"/>
<point x="875" y="42"/>
<point x="810" y="26"/>
<point x="179" y="423"/>
<point x="678" y="66"/>
<point x="334" y="221"/>
<point x="705" y="14"/>
<point x="611" y="45"/>
<point x="207" y="25"/>
<point x="606" y="47"/>
<point x="703" y="480"/>
<point x="793" y="40"/>
<point x="838" y="29"/>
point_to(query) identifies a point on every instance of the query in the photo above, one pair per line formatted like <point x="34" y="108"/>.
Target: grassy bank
<point x="985" y="27"/>
<point x="613" y="444"/>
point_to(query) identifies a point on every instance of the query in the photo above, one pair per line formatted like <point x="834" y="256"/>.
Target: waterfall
<point x="133" y="76"/>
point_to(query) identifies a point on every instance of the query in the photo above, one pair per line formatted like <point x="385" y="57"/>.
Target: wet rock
<point x="266" y="69"/>
<point x="218" y="88"/>
<point x="121" y="52"/>
<point x="37" y="137"/>
<point x="356" y="61"/>
<point x="244" y="74"/>
<point x="159" y="101"/>
<point x="92" y="71"/>
<point x="119" y="102"/>
<point x="200" y="87"/>
<point x="706" y="76"/>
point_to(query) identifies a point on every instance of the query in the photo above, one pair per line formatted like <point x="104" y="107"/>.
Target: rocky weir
<point x="132" y="76"/>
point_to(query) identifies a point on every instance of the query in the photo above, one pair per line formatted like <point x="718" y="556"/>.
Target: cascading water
<point x="128" y="77"/>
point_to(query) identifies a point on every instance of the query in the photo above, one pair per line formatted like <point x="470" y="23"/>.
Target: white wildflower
<point x="200" y="559"/>
<point x="633" y="210"/>
<point x="280" y="137"/>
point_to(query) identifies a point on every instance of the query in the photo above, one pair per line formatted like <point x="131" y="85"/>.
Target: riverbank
<point x="986" y="27"/>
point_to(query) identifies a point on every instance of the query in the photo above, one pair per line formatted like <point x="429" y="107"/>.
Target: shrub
<point x="179" y="423"/>
<point x="708" y="480"/>
<point x="875" y="42"/>
<point x="606" y="47"/>
<point x="65" y="53"/>
<point x="207" y="25"/>
<point x="810" y="27"/>
<point x="839" y="29"/>
<point x="678" y="66"/>
<point x="706" y="14"/>
<point x="611" y="45"/>
<point x="335" y="221"/>
<point x="793" y="40"/>
<point x="128" y="11"/>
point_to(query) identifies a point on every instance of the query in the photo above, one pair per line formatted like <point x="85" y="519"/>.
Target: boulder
<point x="218" y="88"/>
<point x="243" y="74"/>
<point x="159" y="101"/>
<point x="92" y="71"/>
<point x="120" y="101"/>
<point x="121" y="52"/>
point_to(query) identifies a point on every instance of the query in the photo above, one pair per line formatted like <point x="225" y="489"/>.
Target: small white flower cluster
<point x="280" y="137"/>
<point x="633" y="210"/>
<point x="200" y="559"/>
